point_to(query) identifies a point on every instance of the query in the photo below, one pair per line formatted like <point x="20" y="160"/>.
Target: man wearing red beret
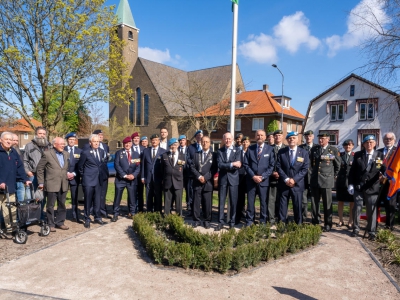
<point x="127" y="166"/>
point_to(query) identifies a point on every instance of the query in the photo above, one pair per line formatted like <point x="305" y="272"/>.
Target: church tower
<point x="128" y="32"/>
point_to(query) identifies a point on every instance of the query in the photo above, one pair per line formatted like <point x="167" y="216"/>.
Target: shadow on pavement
<point x="293" y="293"/>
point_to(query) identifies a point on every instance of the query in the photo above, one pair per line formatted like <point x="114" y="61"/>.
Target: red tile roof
<point x="21" y="125"/>
<point x="259" y="103"/>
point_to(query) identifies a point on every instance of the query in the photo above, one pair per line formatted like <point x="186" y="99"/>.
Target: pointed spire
<point x="124" y="14"/>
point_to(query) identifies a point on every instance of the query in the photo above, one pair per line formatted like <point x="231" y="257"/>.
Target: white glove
<point x="350" y="189"/>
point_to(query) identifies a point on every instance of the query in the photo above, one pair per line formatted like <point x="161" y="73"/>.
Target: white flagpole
<point x="233" y="80"/>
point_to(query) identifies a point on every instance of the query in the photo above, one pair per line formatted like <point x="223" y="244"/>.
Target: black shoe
<point x="326" y="229"/>
<point x="114" y="219"/>
<point x="207" y="225"/>
<point x="87" y="224"/>
<point x="99" y="222"/>
<point x="77" y="220"/>
<point x="231" y="226"/>
<point x="372" y="237"/>
<point x="190" y="214"/>
<point x="354" y="234"/>
<point x="196" y="224"/>
<point x="219" y="227"/>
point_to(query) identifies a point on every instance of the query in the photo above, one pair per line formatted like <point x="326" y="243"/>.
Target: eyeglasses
<point x="388" y="139"/>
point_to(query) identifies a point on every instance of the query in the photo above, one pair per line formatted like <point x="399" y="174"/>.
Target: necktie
<point x="368" y="162"/>
<point x="204" y="157"/>
<point x="181" y="150"/>
<point x="137" y="149"/>
<point x="259" y="153"/>
<point x="173" y="158"/>
<point x="154" y="153"/>
<point x="291" y="157"/>
<point x="129" y="157"/>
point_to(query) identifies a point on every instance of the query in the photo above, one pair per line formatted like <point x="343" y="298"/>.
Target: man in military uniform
<point x="307" y="196"/>
<point x="273" y="198"/>
<point x="325" y="164"/>
<point x="364" y="184"/>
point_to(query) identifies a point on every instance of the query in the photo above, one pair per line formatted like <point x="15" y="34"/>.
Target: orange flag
<point x="392" y="173"/>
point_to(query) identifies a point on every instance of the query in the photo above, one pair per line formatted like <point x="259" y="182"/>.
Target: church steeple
<point x="124" y="14"/>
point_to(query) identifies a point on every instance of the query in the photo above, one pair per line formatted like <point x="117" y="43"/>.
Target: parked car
<point x="110" y="165"/>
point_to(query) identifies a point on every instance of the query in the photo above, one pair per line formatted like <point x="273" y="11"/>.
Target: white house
<point x="353" y="108"/>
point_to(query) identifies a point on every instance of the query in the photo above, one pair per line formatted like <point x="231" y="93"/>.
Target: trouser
<point x="20" y="192"/>
<point x="326" y="194"/>
<point x="189" y="194"/>
<point x="6" y="211"/>
<point x="241" y="198"/>
<point x="132" y="197"/>
<point x="370" y="202"/>
<point x="154" y="196"/>
<point x="304" y="203"/>
<point x="103" y="194"/>
<point x="74" y="200"/>
<point x="172" y="194"/>
<point x="205" y="199"/>
<point x="52" y="197"/>
<point x="92" y="202"/>
<point x="390" y="208"/>
<point x="296" y="197"/>
<point x="139" y="196"/>
<point x="262" y="192"/>
<point x="222" y="193"/>
<point x="273" y="203"/>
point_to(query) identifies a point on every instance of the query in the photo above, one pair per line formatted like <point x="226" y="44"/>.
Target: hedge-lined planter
<point x="169" y="241"/>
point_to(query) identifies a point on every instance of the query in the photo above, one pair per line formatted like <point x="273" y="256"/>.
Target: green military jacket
<point x="325" y="166"/>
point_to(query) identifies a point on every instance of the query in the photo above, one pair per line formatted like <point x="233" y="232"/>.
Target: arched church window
<point x="146" y="109"/>
<point x="138" y="107"/>
<point x="131" y="110"/>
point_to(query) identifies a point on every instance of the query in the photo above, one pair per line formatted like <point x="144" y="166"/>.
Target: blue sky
<point x="313" y="42"/>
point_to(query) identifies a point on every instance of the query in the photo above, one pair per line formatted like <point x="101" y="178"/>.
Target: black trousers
<point x="262" y="192"/>
<point x="326" y="195"/>
<point x="233" y="196"/>
<point x="103" y="193"/>
<point x="297" y="197"/>
<point x="170" y="195"/>
<point x="205" y="199"/>
<point x="139" y="197"/>
<point x="189" y="193"/>
<point x="132" y="200"/>
<point x="74" y="200"/>
<point x="92" y="202"/>
<point x="154" y="196"/>
<point x="241" y="197"/>
<point x="52" y="197"/>
<point x="390" y="208"/>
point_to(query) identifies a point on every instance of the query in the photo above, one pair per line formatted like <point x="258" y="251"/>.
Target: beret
<point x="278" y="132"/>
<point x="97" y="131"/>
<point x="245" y="138"/>
<point x="143" y="138"/>
<point x="154" y="136"/>
<point x="292" y="133"/>
<point x="270" y="133"/>
<point x="181" y="137"/>
<point x="369" y="137"/>
<point x="197" y="132"/>
<point x="323" y="134"/>
<point x="347" y="142"/>
<point x="308" y="132"/>
<point x="71" y="134"/>
<point x="172" y="141"/>
<point x="135" y="134"/>
<point x="127" y="140"/>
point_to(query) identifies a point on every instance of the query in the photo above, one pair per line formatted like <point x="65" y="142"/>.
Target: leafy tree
<point x="49" y="49"/>
<point x="273" y="126"/>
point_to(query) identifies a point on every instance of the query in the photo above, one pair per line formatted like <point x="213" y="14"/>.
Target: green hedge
<point x="170" y="242"/>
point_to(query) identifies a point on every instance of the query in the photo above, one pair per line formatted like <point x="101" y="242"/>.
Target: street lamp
<point x="282" y="98"/>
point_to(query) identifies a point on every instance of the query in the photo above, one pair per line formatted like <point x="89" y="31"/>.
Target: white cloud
<point x="290" y="33"/>
<point x="360" y="23"/>
<point x="156" y="55"/>
<point x="259" y="48"/>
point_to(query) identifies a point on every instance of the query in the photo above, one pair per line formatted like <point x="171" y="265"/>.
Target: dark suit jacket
<point x="123" y="167"/>
<point x="172" y="175"/>
<point x="297" y="171"/>
<point x="272" y="179"/>
<point x="50" y="173"/>
<point x="141" y="148"/>
<point x="388" y="155"/>
<point x="207" y="170"/>
<point x="363" y="179"/>
<point x="343" y="175"/>
<point x="91" y="169"/>
<point x="73" y="165"/>
<point x="228" y="175"/>
<point x="150" y="169"/>
<point x="325" y="166"/>
<point x="308" y="176"/>
<point x="263" y="167"/>
<point x="106" y="155"/>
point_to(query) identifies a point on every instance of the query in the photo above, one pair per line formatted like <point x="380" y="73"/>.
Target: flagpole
<point x="235" y="9"/>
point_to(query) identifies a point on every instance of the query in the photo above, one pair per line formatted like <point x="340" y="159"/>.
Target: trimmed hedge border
<point x="170" y="242"/>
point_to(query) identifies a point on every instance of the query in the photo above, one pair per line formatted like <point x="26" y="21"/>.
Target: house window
<point x="289" y="126"/>
<point x="286" y="103"/>
<point x="238" y="125"/>
<point x="337" y="112"/>
<point x="352" y="89"/>
<point x="362" y="133"/>
<point x="131" y="110"/>
<point x="333" y="136"/>
<point x="297" y="126"/>
<point x="146" y="110"/>
<point x="367" y="111"/>
<point x="258" y="123"/>
<point x="119" y="144"/>
<point x="138" y="107"/>
<point x="130" y="35"/>
<point x="26" y="136"/>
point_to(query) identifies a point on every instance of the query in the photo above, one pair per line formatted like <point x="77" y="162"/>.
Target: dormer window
<point x="242" y="104"/>
<point x="130" y="35"/>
